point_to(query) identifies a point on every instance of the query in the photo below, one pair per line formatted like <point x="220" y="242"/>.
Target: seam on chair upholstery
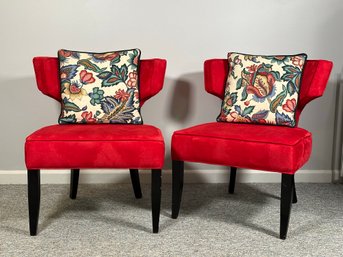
<point x="261" y="142"/>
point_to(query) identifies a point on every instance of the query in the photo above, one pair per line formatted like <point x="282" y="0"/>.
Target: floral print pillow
<point x="262" y="89"/>
<point x="100" y="87"/>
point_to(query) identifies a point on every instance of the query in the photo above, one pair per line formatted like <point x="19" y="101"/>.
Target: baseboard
<point x="191" y="176"/>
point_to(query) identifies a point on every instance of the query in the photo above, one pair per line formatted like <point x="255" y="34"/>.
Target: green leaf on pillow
<point x="268" y="66"/>
<point x="115" y="60"/>
<point x="68" y="119"/>
<point x="247" y="110"/>
<point x="71" y="107"/>
<point x="104" y="75"/>
<point x="118" y="75"/>
<point x="89" y="65"/>
<point x="111" y="81"/>
<point x="239" y="84"/>
<point x="290" y="88"/>
<point x="278" y="100"/>
<point x="276" y="74"/>
<point x="123" y="72"/>
<point x="244" y="94"/>
<point x="238" y="109"/>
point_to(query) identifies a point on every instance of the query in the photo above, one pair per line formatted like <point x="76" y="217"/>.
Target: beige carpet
<point x="106" y="220"/>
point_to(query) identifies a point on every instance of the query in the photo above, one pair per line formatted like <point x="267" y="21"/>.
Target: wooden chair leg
<point x="287" y="189"/>
<point x="155" y="198"/>
<point x="33" y="185"/>
<point x="295" y="198"/>
<point x="135" y="183"/>
<point x="177" y="174"/>
<point x="74" y="182"/>
<point x="232" y="182"/>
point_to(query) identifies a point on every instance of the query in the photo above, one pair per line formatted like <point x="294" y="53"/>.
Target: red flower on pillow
<point x="298" y="61"/>
<point x="290" y="105"/>
<point x="121" y="95"/>
<point x="263" y="84"/>
<point x="88" y="117"/>
<point x="132" y="79"/>
<point x="259" y="80"/>
<point x="86" y="77"/>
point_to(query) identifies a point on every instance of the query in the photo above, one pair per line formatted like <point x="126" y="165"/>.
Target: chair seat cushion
<point x="95" y="146"/>
<point x="261" y="147"/>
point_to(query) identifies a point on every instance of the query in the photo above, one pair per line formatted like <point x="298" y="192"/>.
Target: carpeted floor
<point x="106" y="220"/>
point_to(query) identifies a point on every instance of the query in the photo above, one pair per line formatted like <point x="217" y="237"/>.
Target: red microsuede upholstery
<point x="314" y="79"/>
<point x="151" y="77"/>
<point x="261" y="147"/>
<point x="95" y="146"/>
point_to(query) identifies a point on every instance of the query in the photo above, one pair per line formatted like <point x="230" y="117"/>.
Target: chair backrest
<point x="315" y="76"/>
<point x="151" y="76"/>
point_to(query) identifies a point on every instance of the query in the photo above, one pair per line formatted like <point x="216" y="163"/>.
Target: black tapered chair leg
<point x="232" y="182"/>
<point x="135" y="183"/>
<point x="295" y="198"/>
<point x="287" y="189"/>
<point x="74" y="182"/>
<point x="155" y="198"/>
<point x="33" y="186"/>
<point x="177" y="175"/>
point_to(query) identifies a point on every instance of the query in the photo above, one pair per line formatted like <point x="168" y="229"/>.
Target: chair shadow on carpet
<point x="240" y="207"/>
<point x="198" y="200"/>
<point x="90" y="202"/>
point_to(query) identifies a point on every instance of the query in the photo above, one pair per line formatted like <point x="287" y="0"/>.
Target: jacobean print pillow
<point x="100" y="87"/>
<point x="262" y="89"/>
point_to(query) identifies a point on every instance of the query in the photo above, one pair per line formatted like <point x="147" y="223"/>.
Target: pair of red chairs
<point x="134" y="147"/>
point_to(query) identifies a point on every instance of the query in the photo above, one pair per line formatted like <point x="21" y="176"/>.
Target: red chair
<point x="95" y="146"/>
<point x="262" y="147"/>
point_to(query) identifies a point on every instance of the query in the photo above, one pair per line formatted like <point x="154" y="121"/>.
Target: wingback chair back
<point x="314" y="79"/>
<point x="151" y="76"/>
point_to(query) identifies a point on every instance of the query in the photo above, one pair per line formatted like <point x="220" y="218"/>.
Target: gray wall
<point x="185" y="33"/>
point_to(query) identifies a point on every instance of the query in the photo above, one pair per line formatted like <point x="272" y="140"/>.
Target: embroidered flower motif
<point x="86" y="77"/>
<point x="96" y="96"/>
<point x="298" y="61"/>
<point x="290" y="105"/>
<point x="74" y="91"/>
<point x="252" y="68"/>
<point x="132" y="82"/>
<point x="235" y="117"/>
<point x="121" y="95"/>
<point x="263" y="84"/>
<point x="87" y="117"/>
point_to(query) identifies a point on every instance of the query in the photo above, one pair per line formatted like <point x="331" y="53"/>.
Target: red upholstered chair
<point x="262" y="147"/>
<point x="95" y="146"/>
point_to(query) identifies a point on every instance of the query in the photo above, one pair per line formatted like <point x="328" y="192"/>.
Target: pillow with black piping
<point x="100" y="87"/>
<point x="262" y="89"/>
